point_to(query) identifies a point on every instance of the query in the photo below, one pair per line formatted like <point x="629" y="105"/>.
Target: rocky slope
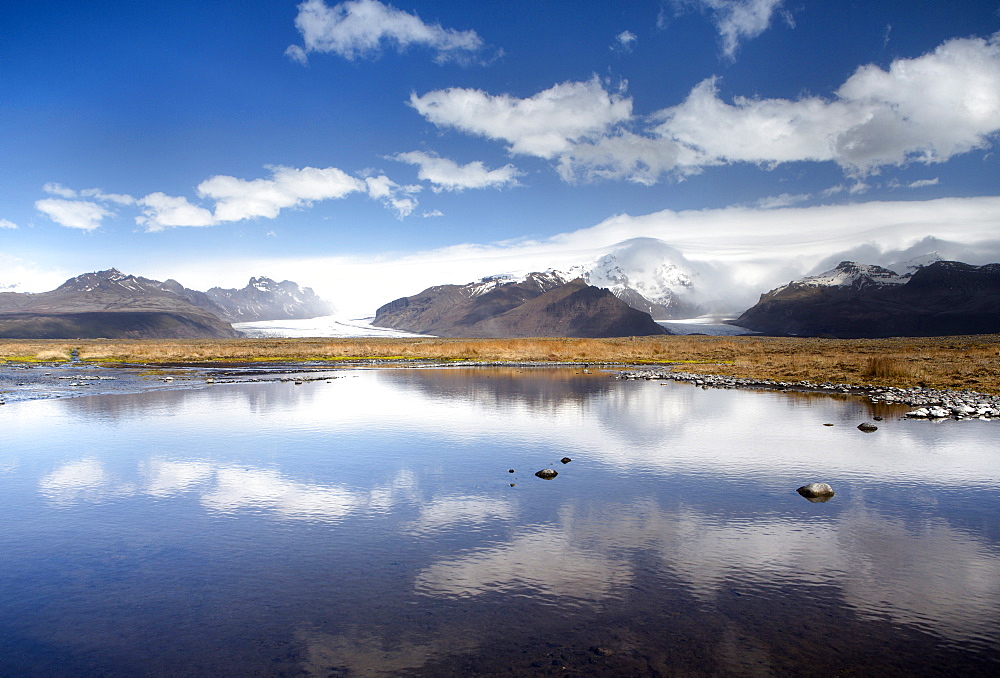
<point x="857" y="300"/>
<point x="539" y="305"/>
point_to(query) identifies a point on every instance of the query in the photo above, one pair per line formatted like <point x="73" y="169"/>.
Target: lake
<point x="369" y="525"/>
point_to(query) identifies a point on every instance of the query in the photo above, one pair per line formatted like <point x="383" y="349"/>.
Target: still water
<point x="369" y="525"/>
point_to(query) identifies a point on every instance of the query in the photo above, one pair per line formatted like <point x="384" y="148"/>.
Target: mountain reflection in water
<point x="369" y="525"/>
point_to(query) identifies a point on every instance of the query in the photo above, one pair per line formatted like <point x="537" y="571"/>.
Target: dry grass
<point x="941" y="362"/>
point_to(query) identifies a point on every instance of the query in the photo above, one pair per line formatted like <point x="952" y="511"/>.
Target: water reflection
<point x="368" y="525"/>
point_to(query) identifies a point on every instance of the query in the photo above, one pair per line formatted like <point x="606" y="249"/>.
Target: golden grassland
<point x="969" y="362"/>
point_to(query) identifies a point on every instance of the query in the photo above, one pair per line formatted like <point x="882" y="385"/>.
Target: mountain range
<point x="930" y="298"/>
<point x="116" y="305"/>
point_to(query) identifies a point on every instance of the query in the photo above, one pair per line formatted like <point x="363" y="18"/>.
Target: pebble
<point x="931" y="403"/>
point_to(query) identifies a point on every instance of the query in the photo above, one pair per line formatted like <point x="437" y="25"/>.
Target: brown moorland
<point x="960" y="362"/>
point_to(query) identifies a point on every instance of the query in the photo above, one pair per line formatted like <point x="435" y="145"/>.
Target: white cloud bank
<point x="927" y="109"/>
<point x="361" y="28"/>
<point x="745" y="250"/>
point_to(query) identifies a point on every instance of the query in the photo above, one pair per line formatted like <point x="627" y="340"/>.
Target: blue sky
<point x="417" y="143"/>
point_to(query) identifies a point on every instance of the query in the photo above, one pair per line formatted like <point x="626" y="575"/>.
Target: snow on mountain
<point x="852" y="274"/>
<point x="648" y="274"/>
<point x="909" y="267"/>
<point x="265" y="299"/>
<point x="861" y="276"/>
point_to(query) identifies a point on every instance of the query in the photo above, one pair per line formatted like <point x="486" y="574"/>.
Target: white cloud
<point x="55" y="188"/>
<point x="626" y="155"/>
<point x="5" y="223"/>
<point x="736" y="20"/>
<point x="392" y="195"/>
<point x="162" y="211"/>
<point x="447" y="175"/>
<point x="81" y="214"/>
<point x="922" y="183"/>
<point x="361" y="28"/>
<point x="783" y="200"/>
<point x="624" y="42"/>
<point x="927" y="110"/>
<point x="239" y="199"/>
<point x="544" y="125"/>
<point x="98" y="194"/>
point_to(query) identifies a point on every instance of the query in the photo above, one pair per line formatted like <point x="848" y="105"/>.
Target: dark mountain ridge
<point x="942" y="298"/>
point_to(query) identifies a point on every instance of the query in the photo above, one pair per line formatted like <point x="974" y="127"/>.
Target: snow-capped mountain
<point x="647" y="274"/>
<point x="862" y="276"/>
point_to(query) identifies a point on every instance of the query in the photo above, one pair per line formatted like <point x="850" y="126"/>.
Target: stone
<point x="816" y="491"/>
<point x="867" y="427"/>
<point x="547" y="473"/>
<point x="565" y="460"/>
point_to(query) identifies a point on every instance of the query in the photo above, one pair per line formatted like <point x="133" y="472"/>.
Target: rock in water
<point x="816" y="492"/>
<point x="565" y="460"/>
<point x="867" y="427"/>
<point x="547" y="474"/>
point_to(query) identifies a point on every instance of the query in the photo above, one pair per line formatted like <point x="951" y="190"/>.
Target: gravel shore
<point x="930" y="403"/>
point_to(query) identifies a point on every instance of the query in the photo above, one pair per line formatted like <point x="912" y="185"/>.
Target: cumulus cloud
<point x="927" y="109"/>
<point x="736" y="20"/>
<point x="447" y="175"/>
<point x="239" y="199"/>
<point x="232" y="199"/>
<point x="392" y="195"/>
<point x="81" y="214"/>
<point x="544" y="125"/>
<point x="5" y="223"/>
<point x="362" y="28"/>
<point x="160" y="211"/>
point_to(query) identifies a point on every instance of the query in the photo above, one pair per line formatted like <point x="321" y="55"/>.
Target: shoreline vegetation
<point x="953" y="363"/>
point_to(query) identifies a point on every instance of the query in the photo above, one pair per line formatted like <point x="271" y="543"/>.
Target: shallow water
<point x="368" y="526"/>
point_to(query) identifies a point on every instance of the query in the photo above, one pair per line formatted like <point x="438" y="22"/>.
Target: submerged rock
<point x="867" y="427"/>
<point x="547" y="473"/>
<point x="816" y="492"/>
